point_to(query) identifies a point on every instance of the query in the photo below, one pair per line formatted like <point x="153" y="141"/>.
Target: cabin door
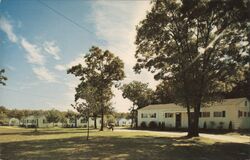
<point x="178" y="120"/>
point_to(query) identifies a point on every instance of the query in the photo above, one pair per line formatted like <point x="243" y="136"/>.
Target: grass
<point x="71" y="144"/>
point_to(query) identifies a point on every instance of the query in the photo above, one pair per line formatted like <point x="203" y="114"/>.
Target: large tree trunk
<point x="189" y="122"/>
<point x="193" y="130"/>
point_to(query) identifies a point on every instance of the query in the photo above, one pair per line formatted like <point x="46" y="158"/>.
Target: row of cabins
<point x="234" y="112"/>
<point x="41" y="122"/>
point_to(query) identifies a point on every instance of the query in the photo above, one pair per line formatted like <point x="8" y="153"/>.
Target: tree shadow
<point x="46" y="132"/>
<point x="118" y="147"/>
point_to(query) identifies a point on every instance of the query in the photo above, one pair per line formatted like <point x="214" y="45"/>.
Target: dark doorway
<point x="178" y="120"/>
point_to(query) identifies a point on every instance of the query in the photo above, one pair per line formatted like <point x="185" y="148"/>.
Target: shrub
<point x="160" y="125"/>
<point x="205" y="125"/>
<point x="212" y="124"/>
<point x="221" y="125"/>
<point x="152" y="125"/>
<point x="143" y="125"/>
<point x="163" y="126"/>
<point x="230" y="126"/>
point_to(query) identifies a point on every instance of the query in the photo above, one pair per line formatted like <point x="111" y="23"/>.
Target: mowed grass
<point x="71" y="144"/>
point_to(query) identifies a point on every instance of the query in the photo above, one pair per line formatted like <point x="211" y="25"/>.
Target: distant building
<point x="82" y="122"/>
<point x="33" y="121"/>
<point x="40" y="121"/>
<point x="220" y="115"/>
<point x="14" y="122"/>
<point x="123" y="122"/>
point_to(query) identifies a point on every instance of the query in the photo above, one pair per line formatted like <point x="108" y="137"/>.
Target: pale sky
<point x="40" y="40"/>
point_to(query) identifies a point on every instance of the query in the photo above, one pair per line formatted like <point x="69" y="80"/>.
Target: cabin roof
<point x="232" y="101"/>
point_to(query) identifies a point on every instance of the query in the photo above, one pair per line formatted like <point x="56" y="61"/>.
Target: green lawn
<point x="71" y="144"/>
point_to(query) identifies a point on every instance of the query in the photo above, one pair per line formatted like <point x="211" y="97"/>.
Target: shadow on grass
<point x="118" y="147"/>
<point x="46" y="132"/>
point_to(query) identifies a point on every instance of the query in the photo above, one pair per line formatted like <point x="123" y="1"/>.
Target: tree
<point x="163" y="94"/>
<point x="3" y="117"/>
<point x="242" y="89"/>
<point x="72" y="116"/>
<point x="85" y="91"/>
<point x="2" y="77"/>
<point x="16" y="114"/>
<point x="53" y="116"/>
<point x="102" y="70"/>
<point x="139" y="94"/>
<point x="199" y="47"/>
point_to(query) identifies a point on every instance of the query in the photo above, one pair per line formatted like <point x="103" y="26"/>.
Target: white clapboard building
<point x="219" y="115"/>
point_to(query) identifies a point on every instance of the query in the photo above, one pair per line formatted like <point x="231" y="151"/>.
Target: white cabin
<point x="124" y="122"/>
<point x="219" y="115"/>
<point x="14" y="122"/>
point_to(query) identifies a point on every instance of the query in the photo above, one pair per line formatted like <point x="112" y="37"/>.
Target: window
<point x="245" y="114"/>
<point x="144" y="115"/>
<point x="248" y="114"/>
<point x="152" y="115"/>
<point x="204" y="114"/>
<point x="245" y="103"/>
<point x="169" y="115"/>
<point x="220" y="114"/>
<point x="44" y="121"/>
<point x="240" y="114"/>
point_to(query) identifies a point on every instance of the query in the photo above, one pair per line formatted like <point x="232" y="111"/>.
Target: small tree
<point x="139" y="93"/>
<point x="102" y="70"/>
<point x="53" y="116"/>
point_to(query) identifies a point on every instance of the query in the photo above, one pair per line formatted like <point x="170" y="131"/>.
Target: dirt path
<point x="220" y="137"/>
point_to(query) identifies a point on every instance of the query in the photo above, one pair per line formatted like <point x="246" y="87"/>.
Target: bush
<point x="205" y="125"/>
<point x="230" y="126"/>
<point x="212" y="124"/>
<point x="221" y="125"/>
<point x="160" y="125"/>
<point x="152" y="125"/>
<point x="143" y="125"/>
<point x="163" y="126"/>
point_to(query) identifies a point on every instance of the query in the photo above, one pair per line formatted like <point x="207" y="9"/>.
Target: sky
<point x="40" y="40"/>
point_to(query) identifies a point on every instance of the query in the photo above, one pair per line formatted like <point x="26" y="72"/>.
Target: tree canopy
<point x="101" y="71"/>
<point x="200" y="47"/>
<point x="137" y="92"/>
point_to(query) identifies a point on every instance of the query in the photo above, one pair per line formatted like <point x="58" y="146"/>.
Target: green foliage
<point x="143" y="125"/>
<point x="53" y="116"/>
<point x="152" y="125"/>
<point x="110" y="119"/>
<point x="242" y="88"/>
<point x="205" y="125"/>
<point x="230" y="126"/>
<point x="4" y="120"/>
<point x="200" y="48"/>
<point x="163" y="94"/>
<point x="119" y="115"/>
<point x="101" y="71"/>
<point x="138" y="93"/>
<point x="2" y="77"/>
